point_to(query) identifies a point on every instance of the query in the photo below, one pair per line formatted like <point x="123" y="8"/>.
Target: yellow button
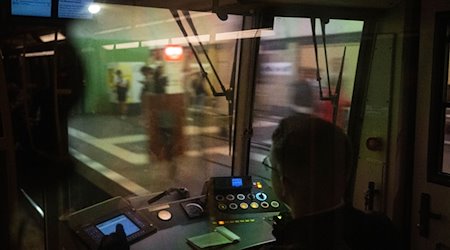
<point x="254" y="205"/>
<point x="243" y="205"/>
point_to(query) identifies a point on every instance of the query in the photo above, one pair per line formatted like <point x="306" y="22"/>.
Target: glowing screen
<point x="109" y="226"/>
<point x="236" y="182"/>
<point x="41" y="8"/>
<point x="74" y="9"/>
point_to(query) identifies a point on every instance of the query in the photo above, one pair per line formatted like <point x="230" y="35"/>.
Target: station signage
<point x="173" y="53"/>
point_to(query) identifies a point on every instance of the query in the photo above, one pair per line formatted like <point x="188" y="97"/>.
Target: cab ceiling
<point x="243" y="6"/>
<point x="26" y="34"/>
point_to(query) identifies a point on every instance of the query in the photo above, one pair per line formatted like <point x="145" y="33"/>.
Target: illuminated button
<point x="261" y="196"/>
<point x="258" y="185"/>
<point x="250" y="196"/>
<point x="264" y="204"/>
<point x="230" y="197"/>
<point x="221" y="222"/>
<point x="164" y="215"/>
<point x="219" y="197"/>
<point x="240" y="197"/>
<point x="233" y="206"/>
<point x="275" y="204"/>
<point x="243" y="205"/>
<point x="222" y="206"/>
<point x="254" y="205"/>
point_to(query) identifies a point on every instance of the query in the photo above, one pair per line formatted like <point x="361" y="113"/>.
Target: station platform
<point x="113" y="152"/>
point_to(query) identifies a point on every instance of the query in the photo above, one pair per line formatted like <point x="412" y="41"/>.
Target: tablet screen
<point x="42" y="8"/>
<point x="109" y="226"/>
<point x="74" y="9"/>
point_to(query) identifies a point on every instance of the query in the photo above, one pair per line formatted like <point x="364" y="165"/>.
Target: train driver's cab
<point x="173" y="117"/>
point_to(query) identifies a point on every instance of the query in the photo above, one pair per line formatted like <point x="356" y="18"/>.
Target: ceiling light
<point x="94" y="8"/>
<point x="39" y="53"/>
<point x="127" y="45"/>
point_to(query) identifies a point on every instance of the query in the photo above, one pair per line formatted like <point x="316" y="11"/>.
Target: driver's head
<point x="312" y="160"/>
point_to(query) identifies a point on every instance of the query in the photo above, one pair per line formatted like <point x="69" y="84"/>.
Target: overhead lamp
<point x="129" y="45"/>
<point x="39" y="53"/>
<point x="94" y="8"/>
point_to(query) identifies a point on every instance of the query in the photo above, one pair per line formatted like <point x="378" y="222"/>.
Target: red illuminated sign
<point x="173" y="53"/>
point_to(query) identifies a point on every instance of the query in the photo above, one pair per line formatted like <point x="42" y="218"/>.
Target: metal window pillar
<point x="245" y="98"/>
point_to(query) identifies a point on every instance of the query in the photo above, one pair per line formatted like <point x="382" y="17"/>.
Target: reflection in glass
<point x="287" y="78"/>
<point x="446" y="144"/>
<point x="448" y="81"/>
<point x="148" y="119"/>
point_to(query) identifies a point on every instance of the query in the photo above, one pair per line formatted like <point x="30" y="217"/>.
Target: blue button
<point x="261" y="196"/>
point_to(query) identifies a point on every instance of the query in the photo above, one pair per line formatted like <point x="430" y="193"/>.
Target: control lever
<point x="369" y="197"/>
<point x="182" y="192"/>
<point x="425" y="215"/>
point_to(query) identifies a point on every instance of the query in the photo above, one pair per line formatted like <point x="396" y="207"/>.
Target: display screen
<point x="232" y="183"/>
<point x="41" y="8"/>
<point x="74" y="8"/>
<point x="236" y="182"/>
<point x="109" y="226"/>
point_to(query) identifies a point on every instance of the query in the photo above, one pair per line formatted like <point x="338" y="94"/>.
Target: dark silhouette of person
<point x="303" y="98"/>
<point x="122" y="90"/>
<point x="199" y="92"/>
<point x="160" y="81"/>
<point x="148" y="82"/>
<point x="310" y="160"/>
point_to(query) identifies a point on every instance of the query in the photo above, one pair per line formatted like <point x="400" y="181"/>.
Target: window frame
<point x="439" y="101"/>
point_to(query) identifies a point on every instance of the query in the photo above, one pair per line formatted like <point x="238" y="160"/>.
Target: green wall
<point x="95" y="60"/>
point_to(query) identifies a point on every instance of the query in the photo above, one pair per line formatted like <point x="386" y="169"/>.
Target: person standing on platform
<point x="198" y="88"/>
<point x="160" y="81"/>
<point x="122" y="90"/>
<point x="147" y="86"/>
<point x="148" y="81"/>
<point x="303" y="98"/>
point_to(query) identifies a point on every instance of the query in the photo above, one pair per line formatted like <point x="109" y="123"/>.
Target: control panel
<point x="93" y="223"/>
<point x="135" y="227"/>
<point x="244" y="204"/>
<point x="229" y="197"/>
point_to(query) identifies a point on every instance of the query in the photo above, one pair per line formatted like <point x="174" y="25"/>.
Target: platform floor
<point x="117" y="149"/>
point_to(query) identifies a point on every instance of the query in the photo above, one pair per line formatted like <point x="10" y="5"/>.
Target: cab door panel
<point x="437" y="223"/>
